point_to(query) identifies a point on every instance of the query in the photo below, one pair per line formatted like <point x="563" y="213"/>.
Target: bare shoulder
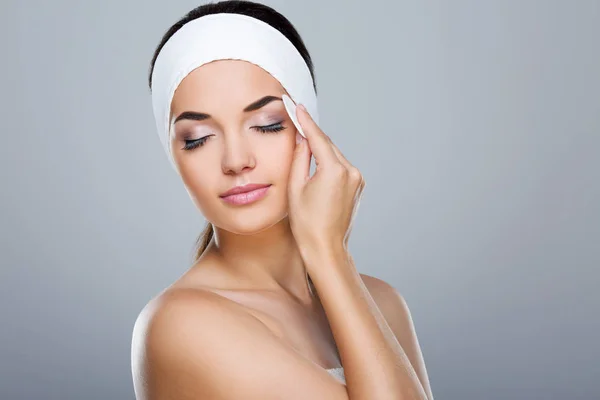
<point x="395" y="310"/>
<point x="190" y="344"/>
<point x="389" y="300"/>
<point x="172" y="336"/>
<point x="378" y="287"/>
<point x="392" y="305"/>
<point x="151" y="335"/>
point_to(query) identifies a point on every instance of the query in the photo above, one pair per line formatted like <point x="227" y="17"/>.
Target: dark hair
<point x="251" y="9"/>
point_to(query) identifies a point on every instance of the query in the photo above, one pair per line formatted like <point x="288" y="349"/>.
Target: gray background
<point x="475" y="123"/>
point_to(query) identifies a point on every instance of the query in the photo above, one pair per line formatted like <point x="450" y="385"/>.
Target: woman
<point x="273" y="307"/>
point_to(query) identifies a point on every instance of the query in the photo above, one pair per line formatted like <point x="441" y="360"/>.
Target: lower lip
<point x="246" y="198"/>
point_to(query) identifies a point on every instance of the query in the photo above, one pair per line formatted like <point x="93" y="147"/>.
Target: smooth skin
<point x="242" y="323"/>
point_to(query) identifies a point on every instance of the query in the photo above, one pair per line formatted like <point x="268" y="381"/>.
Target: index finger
<point x="317" y="140"/>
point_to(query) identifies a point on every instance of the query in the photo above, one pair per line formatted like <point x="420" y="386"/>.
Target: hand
<point x="321" y="207"/>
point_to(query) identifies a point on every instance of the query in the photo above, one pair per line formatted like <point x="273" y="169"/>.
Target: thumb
<point x="300" y="168"/>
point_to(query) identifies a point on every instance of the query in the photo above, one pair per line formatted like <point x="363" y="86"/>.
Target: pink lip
<point x="245" y="194"/>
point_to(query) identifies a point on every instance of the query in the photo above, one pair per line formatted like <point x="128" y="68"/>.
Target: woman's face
<point x="227" y="146"/>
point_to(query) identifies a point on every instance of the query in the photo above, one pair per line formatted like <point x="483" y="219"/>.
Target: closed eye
<point x="192" y="144"/>
<point x="273" y="128"/>
<point x="270" y="128"/>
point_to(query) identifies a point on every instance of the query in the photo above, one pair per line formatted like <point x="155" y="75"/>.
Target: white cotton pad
<point x="290" y="107"/>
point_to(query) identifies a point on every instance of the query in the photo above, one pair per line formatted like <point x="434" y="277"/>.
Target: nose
<point x="237" y="155"/>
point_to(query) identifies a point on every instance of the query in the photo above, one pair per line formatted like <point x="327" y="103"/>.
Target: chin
<point x="251" y="227"/>
<point x="251" y="220"/>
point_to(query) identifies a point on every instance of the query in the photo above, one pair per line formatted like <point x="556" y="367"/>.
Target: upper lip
<point x="244" y="189"/>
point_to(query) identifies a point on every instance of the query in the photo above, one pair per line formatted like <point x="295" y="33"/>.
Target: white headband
<point x="227" y="36"/>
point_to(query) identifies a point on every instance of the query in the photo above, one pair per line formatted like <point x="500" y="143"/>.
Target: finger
<point x="353" y="172"/>
<point x="317" y="140"/>
<point x="300" y="167"/>
<point x="340" y="156"/>
<point x="343" y="160"/>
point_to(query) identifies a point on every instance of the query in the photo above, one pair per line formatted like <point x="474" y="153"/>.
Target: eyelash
<point x="273" y="128"/>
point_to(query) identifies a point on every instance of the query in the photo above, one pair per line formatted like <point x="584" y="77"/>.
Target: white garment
<point x="338" y="373"/>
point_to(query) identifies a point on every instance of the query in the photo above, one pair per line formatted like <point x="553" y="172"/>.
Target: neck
<point x="267" y="260"/>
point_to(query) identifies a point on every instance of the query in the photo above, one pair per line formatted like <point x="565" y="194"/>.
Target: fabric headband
<point x="227" y="36"/>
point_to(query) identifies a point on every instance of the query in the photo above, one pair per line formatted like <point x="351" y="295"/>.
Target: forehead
<point x="223" y="83"/>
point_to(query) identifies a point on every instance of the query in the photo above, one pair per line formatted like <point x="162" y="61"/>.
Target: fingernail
<point x="302" y="107"/>
<point x="299" y="138"/>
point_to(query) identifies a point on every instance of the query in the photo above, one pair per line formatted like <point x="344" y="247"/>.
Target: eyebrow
<point x="198" y="116"/>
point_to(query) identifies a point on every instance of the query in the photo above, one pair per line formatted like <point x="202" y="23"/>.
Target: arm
<point x="321" y="211"/>
<point x="375" y="364"/>
<point x="193" y="345"/>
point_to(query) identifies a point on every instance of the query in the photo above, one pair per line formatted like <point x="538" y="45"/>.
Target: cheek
<point x="200" y="178"/>
<point x="276" y="157"/>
